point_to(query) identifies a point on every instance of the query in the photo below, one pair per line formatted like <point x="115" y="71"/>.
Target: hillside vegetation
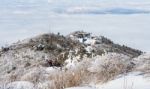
<point x="54" y="61"/>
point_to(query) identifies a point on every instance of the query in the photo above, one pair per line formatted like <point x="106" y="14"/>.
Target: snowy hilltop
<point x="54" y="61"/>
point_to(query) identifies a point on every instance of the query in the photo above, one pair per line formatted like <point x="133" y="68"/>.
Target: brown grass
<point x="64" y="79"/>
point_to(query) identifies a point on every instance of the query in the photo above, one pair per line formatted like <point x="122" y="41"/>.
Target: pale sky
<point x="20" y="19"/>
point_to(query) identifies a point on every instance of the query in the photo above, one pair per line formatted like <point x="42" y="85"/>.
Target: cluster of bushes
<point x="5" y="49"/>
<point x="125" y="50"/>
<point x="99" y="69"/>
<point x="52" y="41"/>
<point x="106" y="40"/>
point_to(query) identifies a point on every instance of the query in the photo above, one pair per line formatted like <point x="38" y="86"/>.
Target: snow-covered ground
<point x="81" y="88"/>
<point x="132" y="81"/>
<point x="127" y="82"/>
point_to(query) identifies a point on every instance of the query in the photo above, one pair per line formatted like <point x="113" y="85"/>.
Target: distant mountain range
<point x="117" y="10"/>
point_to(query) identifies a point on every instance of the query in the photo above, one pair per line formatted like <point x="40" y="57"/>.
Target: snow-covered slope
<point x="132" y="81"/>
<point x="81" y="88"/>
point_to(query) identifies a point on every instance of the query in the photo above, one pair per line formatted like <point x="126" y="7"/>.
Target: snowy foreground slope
<point x="136" y="79"/>
<point x="132" y="81"/>
<point x="53" y="61"/>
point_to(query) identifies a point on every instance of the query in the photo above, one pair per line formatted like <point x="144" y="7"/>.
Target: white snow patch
<point x="90" y="41"/>
<point x="20" y="85"/>
<point x="71" y="63"/>
<point x="89" y="49"/>
<point x="127" y="82"/>
<point x="81" y="88"/>
<point x="51" y="69"/>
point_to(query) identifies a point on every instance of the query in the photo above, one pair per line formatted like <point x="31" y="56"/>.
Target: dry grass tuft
<point x="64" y="79"/>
